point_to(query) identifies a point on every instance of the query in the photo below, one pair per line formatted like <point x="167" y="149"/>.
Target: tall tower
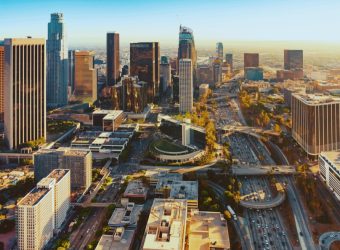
<point x="2" y="76"/>
<point x="185" y="86"/>
<point x="25" y="88"/>
<point x="293" y="59"/>
<point x="186" y="47"/>
<point x="251" y="60"/>
<point x="57" y="62"/>
<point x="219" y="51"/>
<point x="112" y="58"/>
<point x="144" y="63"/>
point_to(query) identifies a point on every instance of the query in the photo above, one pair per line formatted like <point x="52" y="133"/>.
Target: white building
<point x="35" y="216"/>
<point x="185" y="86"/>
<point x="329" y="163"/>
<point x="166" y="226"/>
<point x="203" y="89"/>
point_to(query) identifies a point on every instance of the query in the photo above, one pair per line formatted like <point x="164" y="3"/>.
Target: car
<point x="301" y="234"/>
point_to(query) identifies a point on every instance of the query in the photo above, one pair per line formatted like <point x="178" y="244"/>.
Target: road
<point x="326" y="239"/>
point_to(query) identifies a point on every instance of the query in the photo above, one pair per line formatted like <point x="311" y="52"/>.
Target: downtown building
<point x="112" y="59"/>
<point x="187" y="49"/>
<point x="2" y="80"/>
<point x="79" y="162"/>
<point x="329" y="164"/>
<point x="43" y="210"/>
<point x="293" y="66"/>
<point x="25" y="88"/>
<point x="165" y="74"/>
<point x="229" y="61"/>
<point x="144" y="63"/>
<point x="57" y="62"/>
<point x="185" y="86"/>
<point x="85" y="77"/>
<point x="316" y="122"/>
<point x="251" y="60"/>
<point x="219" y="51"/>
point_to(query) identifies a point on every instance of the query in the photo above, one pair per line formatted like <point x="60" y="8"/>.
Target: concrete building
<point x="112" y="58"/>
<point x="57" y="62"/>
<point x="219" y="51"/>
<point x="2" y="80"/>
<point x="78" y="161"/>
<point x="229" y="60"/>
<point x="120" y="239"/>
<point x="185" y="86"/>
<point x="316" y="122"/>
<point x="165" y="74"/>
<point x="144" y="63"/>
<point x="35" y="216"/>
<point x="293" y="59"/>
<point x="329" y="164"/>
<point x="62" y="195"/>
<point x="136" y="191"/>
<point x="251" y="60"/>
<point x="187" y="190"/>
<point x="217" y="71"/>
<point x="204" y="74"/>
<point x="71" y="61"/>
<point x="204" y="89"/>
<point x="207" y="230"/>
<point x="166" y="226"/>
<point x="85" y="76"/>
<point x="25" y="99"/>
<point x="108" y="120"/>
<point x="127" y="216"/>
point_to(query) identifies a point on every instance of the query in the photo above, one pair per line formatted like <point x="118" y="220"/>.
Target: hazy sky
<point x="158" y="20"/>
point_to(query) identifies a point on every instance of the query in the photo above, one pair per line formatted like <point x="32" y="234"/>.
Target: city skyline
<point x="235" y="18"/>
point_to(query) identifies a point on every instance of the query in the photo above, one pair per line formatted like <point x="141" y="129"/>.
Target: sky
<point x="87" y="21"/>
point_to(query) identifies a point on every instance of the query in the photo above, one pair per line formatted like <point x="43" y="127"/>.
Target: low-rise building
<point x="136" y="191"/>
<point x="329" y="164"/>
<point x="166" y="226"/>
<point x="207" y="230"/>
<point x="108" y="120"/>
<point x="120" y="239"/>
<point x="187" y="190"/>
<point x="125" y="216"/>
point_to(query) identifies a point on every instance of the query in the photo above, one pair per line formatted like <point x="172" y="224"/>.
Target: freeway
<point x="278" y="200"/>
<point x="242" y="234"/>
<point x="326" y="239"/>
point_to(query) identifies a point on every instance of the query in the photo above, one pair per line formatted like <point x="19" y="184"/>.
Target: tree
<point x="227" y="214"/>
<point x="277" y="128"/>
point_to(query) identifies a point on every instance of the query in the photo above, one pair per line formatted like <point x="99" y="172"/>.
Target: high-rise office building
<point x="219" y="51"/>
<point x="71" y="72"/>
<point x="78" y="161"/>
<point x="25" y="88"/>
<point x="85" y="76"/>
<point x="329" y="166"/>
<point x="144" y="63"/>
<point x="57" y="62"/>
<point x="229" y="60"/>
<point x="187" y="49"/>
<point x="43" y="209"/>
<point x="165" y="74"/>
<point x="251" y="60"/>
<point x="112" y="58"/>
<point x="185" y="85"/>
<point x="293" y="59"/>
<point x="253" y="74"/>
<point x="217" y="71"/>
<point x="316" y="122"/>
<point x="2" y="80"/>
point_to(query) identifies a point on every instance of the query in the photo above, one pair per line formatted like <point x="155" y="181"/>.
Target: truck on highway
<point x="231" y="211"/>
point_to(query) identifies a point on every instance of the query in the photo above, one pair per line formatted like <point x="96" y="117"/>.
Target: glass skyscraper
<point x="57" y="62"/>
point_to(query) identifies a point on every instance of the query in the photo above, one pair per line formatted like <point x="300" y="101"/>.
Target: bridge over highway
<point x="254" y="131"/>
<point x="278" y="200"/>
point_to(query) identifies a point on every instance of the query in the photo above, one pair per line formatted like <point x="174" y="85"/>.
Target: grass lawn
<point x="167" y="146"/>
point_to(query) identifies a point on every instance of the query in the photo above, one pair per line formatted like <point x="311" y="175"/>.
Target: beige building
<point x="207" y="230"/>
<point x="2" y="79"/>
<point x="186" y="95"/>
<point x="166" y="226"/>
<point x="25" y="88"/>
<point x="316" y="122"/>
<point x="85" y="76"/>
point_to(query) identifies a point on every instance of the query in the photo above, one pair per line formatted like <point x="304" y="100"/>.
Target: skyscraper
<point x="293" y="59"/>
<point x="165" y="73"/>
<point x="2" y="79"/>
<point x="57" y="62"/>
<point x="251" y="60"/>
<point x="185" y="85"/>
<point x="186" y="48"/>
<point x="144" y="63"/>
<point x="85" y="76"/>
<point x="25" y="88"/>
<point x="229" y="60"/>
<point x="219" y="51"/>
<point x="217" y="71"/>
<point x="112" y="58"/>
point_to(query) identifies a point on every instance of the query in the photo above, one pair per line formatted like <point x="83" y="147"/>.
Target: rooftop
<point x="333" y="157"/>
<point x="58" y="174"/>
<point x="72" y="152"/>
<point x="121" y="239"/>
<point x="166" y="225"/>
<point x="184" y="190"/>
<point x="314" y="99"/>
<point x="125" y="215"/>
<point x="33" y="197"/>
<point x="208" y="230"/>
<point x="135" y="189"/>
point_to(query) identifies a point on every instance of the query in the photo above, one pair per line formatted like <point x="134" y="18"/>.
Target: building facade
<point x="144" y="63"/>
<point x="293" y="59"/>
<point x="316" y="122"/>
<point x="329" y="164"/>
<point x="165" y="74"/>
<point x="219" y="51"/>
<point x="112" y="58"/>
<point x="229" y="60"/>
<point x="2" y="80"/>
<point x="85" y="76"/>
<point x="251" y="60"/>
<point x="185" y="86"/>
<point x="57" y="62"/>
<point x="25" y="88"/>
<point x="253" y="74"/>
